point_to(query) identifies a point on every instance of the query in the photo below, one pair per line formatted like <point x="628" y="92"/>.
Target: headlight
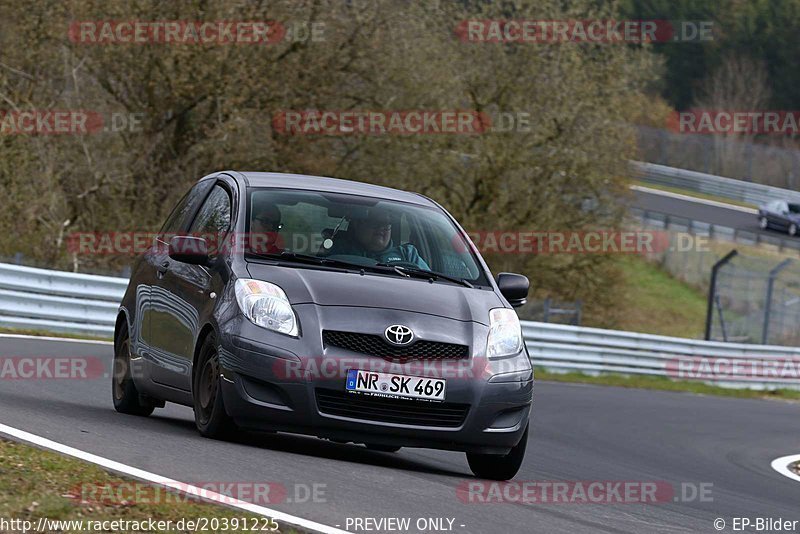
<point x="266" y="305"/>
<point x="505" y="333"/>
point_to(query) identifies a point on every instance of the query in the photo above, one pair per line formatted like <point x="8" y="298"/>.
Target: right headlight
<point x="267" y="306"/>
<point x="505" y="334"/>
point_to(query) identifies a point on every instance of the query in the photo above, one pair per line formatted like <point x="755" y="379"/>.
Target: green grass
<point x="45" y="333"/>
<point x="654" y="302"/>
<point x="36" y="483"/>
<point x="664" y="384"/>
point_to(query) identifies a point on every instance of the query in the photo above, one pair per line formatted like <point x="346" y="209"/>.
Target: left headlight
<point x="505" y="334"/>
<point x="266" y="305"/>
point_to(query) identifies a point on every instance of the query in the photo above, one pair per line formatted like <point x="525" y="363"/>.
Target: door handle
<point x="162" y="269"/>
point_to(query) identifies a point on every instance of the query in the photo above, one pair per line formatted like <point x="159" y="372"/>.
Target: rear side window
<point x="180" y="217"/>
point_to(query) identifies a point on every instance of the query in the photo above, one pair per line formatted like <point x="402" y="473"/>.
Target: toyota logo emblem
<point x="398" y="334"/>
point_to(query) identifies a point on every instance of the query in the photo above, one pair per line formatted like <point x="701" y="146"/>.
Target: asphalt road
<point x="579" y="433"/>
<point x="697" y="211"/>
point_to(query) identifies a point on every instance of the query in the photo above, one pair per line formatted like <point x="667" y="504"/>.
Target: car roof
<point x="330" y="185"/>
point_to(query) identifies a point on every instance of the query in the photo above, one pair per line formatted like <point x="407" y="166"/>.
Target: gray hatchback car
<point x="348" y="311"/>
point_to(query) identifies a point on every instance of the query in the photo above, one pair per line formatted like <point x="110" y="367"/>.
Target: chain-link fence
<point x="552" y="311"/>
<point x="715" y="154"/>
<point x="757" y="301"/>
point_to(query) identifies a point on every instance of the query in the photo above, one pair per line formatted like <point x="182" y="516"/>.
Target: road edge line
<point x="689" y="198"/>
<point x="169" y="483"/>
<point x="60" y="339"/>
<point x="781" y="465"/>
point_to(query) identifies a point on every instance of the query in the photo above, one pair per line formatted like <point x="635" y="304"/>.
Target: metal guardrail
<point x="739" y="190"/>
<point x="563" y="348"/>
<point x="57" y="301"/>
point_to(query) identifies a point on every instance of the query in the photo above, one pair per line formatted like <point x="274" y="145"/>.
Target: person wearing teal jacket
<point x="371" y="237"/>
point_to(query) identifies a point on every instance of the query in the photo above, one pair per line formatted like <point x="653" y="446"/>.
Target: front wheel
<point x="763" y="223"/>
<point x="126" y="397"/>
<point x="210" y="417"/>
<point x="499" y="466"/>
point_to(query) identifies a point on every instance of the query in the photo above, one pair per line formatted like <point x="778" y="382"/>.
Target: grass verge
<point x="654" y="302"/>
<point x="664" y="384"/>
<point x="36" y="483"/>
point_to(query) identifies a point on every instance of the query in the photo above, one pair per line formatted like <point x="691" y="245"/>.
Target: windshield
<point x="359" y="230"/>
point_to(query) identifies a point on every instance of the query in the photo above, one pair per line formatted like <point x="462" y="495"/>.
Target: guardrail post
<point x="768" y="301"/>
<point x="712" y="290"/>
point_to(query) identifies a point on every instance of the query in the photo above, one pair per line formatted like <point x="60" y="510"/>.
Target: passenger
<point x="265" y="225"/>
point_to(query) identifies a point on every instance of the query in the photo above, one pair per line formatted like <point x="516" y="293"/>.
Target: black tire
<point x="210" y="417"/>
<point x="126" y="397"/>
<point x="499" y="466"/>
<point x="382" y="448"/>
<point x="792" y="229"/>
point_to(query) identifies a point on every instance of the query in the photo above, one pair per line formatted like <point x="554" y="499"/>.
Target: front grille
<point x="400" y="411"/>
<point x="376" y="346"/>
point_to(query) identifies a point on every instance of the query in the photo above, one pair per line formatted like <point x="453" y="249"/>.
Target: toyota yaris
<point x="348" y="311"/>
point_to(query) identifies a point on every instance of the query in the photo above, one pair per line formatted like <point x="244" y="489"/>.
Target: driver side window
<point x="213" y="220"/>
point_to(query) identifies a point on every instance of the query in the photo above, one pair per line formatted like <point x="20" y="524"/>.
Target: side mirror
<point x="188" y="249"/>
<point x="514" y="288"/>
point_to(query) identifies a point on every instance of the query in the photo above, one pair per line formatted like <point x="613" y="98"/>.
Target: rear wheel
<point x="127" y="399"/>
<point x="210" y="417"/>
<point x="499" y="466"/>
<point x="382" y="448"/>
<point x="793" y="229"/>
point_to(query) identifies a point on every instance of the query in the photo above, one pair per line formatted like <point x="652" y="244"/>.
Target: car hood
<point x="331" y="288"/>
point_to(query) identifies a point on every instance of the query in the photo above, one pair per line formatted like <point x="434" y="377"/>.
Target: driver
<point x="371" y="237"/>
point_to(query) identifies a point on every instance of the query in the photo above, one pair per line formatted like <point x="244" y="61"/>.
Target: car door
<point x="184" y="292"/>
<point x="151" y="301"/>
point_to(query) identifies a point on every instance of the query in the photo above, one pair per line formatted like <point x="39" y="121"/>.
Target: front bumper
<point x="272" y="387"/>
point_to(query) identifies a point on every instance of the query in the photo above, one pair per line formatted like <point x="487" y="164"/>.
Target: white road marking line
<point x="690" y="198"/>
<point x="48" y="338"/>
<point x="180" y="487"/>
<point x="781" y="465"/>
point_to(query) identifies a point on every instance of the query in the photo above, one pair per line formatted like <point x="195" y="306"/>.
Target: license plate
<point x="395" y="386"/>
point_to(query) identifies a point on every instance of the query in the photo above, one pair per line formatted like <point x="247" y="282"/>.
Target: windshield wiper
<point x="319" y="260"/>
<point x="423" y="273"/>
